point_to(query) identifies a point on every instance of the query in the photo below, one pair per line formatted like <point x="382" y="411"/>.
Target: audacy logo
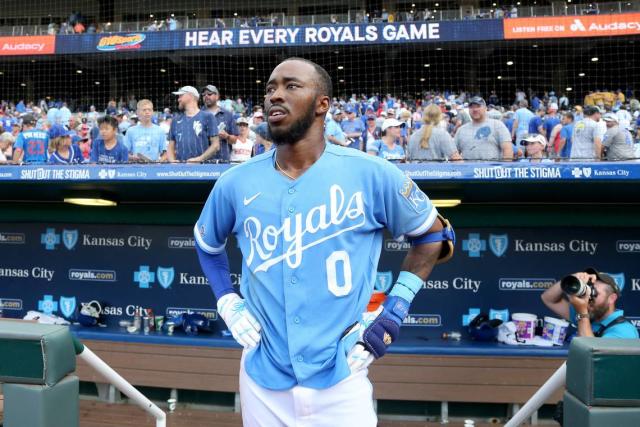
<point x="577" y="25"/>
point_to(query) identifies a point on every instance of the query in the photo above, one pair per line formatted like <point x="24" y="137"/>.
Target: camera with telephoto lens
<point x="571" y="285"/>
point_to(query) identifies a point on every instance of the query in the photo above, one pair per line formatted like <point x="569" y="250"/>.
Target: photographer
<point x="594" y="317"/>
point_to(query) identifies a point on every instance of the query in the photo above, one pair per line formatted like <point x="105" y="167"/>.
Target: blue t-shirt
<point x="332" y="128"/>
<point x="100" y="153"/>
<point x="549" y="123"/>
<point x="534" y="124"/>
<point x="354" y="125"/>
<point x="148" y="141"/>
<point x="75" y="157"/>
<point x="309" y="244"/>
<point x="191" y="134"/>
<point x="394" y="154"/>
<point x="34" y="143"/>
<point x="524" y="116"/>
<point x="230" y="127"/>
<point x="621" y="330"/>
<point x="566" y="132"/>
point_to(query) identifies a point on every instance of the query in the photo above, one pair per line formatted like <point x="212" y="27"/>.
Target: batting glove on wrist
<point x="378" y="330"/>
<point x="243" y="326"/>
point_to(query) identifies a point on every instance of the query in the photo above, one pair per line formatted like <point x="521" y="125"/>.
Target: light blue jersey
<point x="149" y="141"/>
<point x="310" y="251"/>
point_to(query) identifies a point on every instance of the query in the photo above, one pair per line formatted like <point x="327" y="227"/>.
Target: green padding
<point x="577" y="414"/>
<point x="604" y="372"/>
<point x="27" y="405"/>
<point x="32" y="353"/>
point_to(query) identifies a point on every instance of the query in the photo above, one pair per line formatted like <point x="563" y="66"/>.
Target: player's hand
<point x="378" y="330"/>
<point x="243" y="326"/>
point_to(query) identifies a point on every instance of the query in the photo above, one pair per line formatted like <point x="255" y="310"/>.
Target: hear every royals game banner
<point x="467" y="171"/>
<point x="54" y="268"/>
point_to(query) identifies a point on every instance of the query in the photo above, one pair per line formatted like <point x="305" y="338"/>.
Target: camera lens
<point x="572" y="285"/>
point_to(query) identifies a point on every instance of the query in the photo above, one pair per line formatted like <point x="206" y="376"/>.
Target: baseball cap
<point x="610" y="117"/>
<point x="187" y="89"/>
<point x="371" y="118"/>
<point x="57" y="131"/>
<point x="29" y="119"/>
<point x="242" y="120"/>
<point x="604" y="277"/>
<point x="210" y="88"/>
<point x="478" y="100"/>
<point x="530" y="138"/>
<point x="391" y="123"/>
<point x="553" y="106"/>
<point x="591" y="110"/>
<point x="349" y="109"/>
<point x="263" y="131"/>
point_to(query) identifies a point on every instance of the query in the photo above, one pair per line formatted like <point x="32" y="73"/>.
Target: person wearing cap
<point x="242" y="148"/>
<point x="193" y="135"/>
<point x="387" y="147"/>
<point x="352" y="128"/>
<point x="257" y="118"/>
<point x="562" y="144"/>
<point x="522" y="117"/>
<point x="551" y="120"/>
<point x="333" y="132"/>
<point x="431" y="142"/>
<point x="227" y="128"/>
<point x="32" y="144"/>
<point x="596" y="317"/>
<point x="535" y="146"/>
<point x="586" y="141"/>
<point x="145" y="141"/>
<point x="483" y="138"/>
<point x="63" y="151"/>
<point x="617" y="142"/>
<point x="372" y="132"/>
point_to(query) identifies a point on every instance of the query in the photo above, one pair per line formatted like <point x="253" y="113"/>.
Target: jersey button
<point x="292" y="190"/>
<point x="294" y="280"/>
<point x="296" y="320"/>
<point x="291" y="210"/>
<point x="300" y="358"/>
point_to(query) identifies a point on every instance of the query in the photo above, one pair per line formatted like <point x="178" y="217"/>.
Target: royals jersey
<point x="35" y="144"/>
<point x="310" y="251"/>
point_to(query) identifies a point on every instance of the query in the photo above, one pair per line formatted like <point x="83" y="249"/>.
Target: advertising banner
<point x="56" y="267"/>
<point x="27" y="45"/>
<point x="572" y="26"/>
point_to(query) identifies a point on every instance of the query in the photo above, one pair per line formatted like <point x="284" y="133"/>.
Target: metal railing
<point x="353" y="17"/>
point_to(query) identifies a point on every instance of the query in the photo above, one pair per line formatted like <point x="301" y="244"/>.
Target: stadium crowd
<point x="438" y="126"/>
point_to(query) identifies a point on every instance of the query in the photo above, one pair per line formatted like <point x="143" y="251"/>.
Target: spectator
<point x="372" y="132"/>
<point x="536" y="124"/>
<point x="258" y="117"/>
<point x="493" y="98"/>
<point x="483" y="138"/>
<point x="193" y="136"/>
<point x="352" y="128"/>
<point x="31" y="144"/>
<point x="63" y="152"/>
<point x="563" y="102"/>
<point x="551" y="120"/>
<point x="107" y="148"/>
<point x="146" y="142"/>
<point x="563" y="148"/>
<point x="617" y="141"/>
<point x="536" y="145"/>
<point x="431" y="142"/>
<point x="6" y="144"/>
<point x="521" y="121"/>
<point x="242" y="149"/>
<point x="624" y="117"/>
<point x="333" y="132"/>
<point x="263" y="139"/>
<point x="387" y="147"/>
<point x="586" y="141"/>
<point x="227" y="129"/>
<point x="594" y="318"/>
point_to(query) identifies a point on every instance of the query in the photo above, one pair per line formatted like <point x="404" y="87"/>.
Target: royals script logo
<point x="299" y="233"/>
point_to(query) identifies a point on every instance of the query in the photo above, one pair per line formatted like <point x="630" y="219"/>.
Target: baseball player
<point x="309" y="220"/>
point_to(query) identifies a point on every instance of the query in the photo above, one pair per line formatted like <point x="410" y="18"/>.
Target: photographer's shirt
<point x="621" y="330"/>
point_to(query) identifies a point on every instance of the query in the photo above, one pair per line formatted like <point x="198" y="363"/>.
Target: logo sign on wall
<point x="572" y="26"/>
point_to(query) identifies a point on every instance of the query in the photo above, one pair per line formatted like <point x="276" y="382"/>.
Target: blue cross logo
<point x="47" y="305"/>
<point x="474" y="245"/>
<point x="144" y="277"/>
<point x="50" y="239"/>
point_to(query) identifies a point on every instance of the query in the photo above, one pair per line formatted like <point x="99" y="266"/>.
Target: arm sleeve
<point x="216" y="268"/>
<point x="212" y="125"/>
<point x="216" y="220"/>
<point x="406" y="210"/>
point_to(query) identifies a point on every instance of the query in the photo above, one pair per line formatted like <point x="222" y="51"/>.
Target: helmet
<point x="89" y="314"/>
<point x="483" y="329"/>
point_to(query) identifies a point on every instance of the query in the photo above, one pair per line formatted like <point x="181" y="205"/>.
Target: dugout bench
<point x="416" y="370"/>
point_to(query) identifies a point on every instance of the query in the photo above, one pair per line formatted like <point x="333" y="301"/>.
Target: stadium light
<point x="340" y="67"/>
<point x="251" y="68"/>
<point x="79" y="71"/>
<point x="23" y="84"/>
<point x="341" y="80"/>
<point x="446" y="203"/>
<point x="581" y="75"/>
<point x="89" y="201"/>
<point x="594" y="59"/>
<point x="33" y="61"/>
<point x="509" y="63"/>
<point x="1" y="73"/>
<point x="97" y="83"/>
<point x="427" y="65"/>
<point x="534" y="46"/>
<point x="258" y="81"/>
<point x="162" y="70"/>
<point x="438" y="48"/>
<point x="499" y="77"/>
<point x="422" y="79"/>
<point x="437" y="4"/>
<point x="569" y="89"/>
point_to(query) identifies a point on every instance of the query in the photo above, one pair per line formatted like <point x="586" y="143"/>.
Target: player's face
<point x="290" y="101"/>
